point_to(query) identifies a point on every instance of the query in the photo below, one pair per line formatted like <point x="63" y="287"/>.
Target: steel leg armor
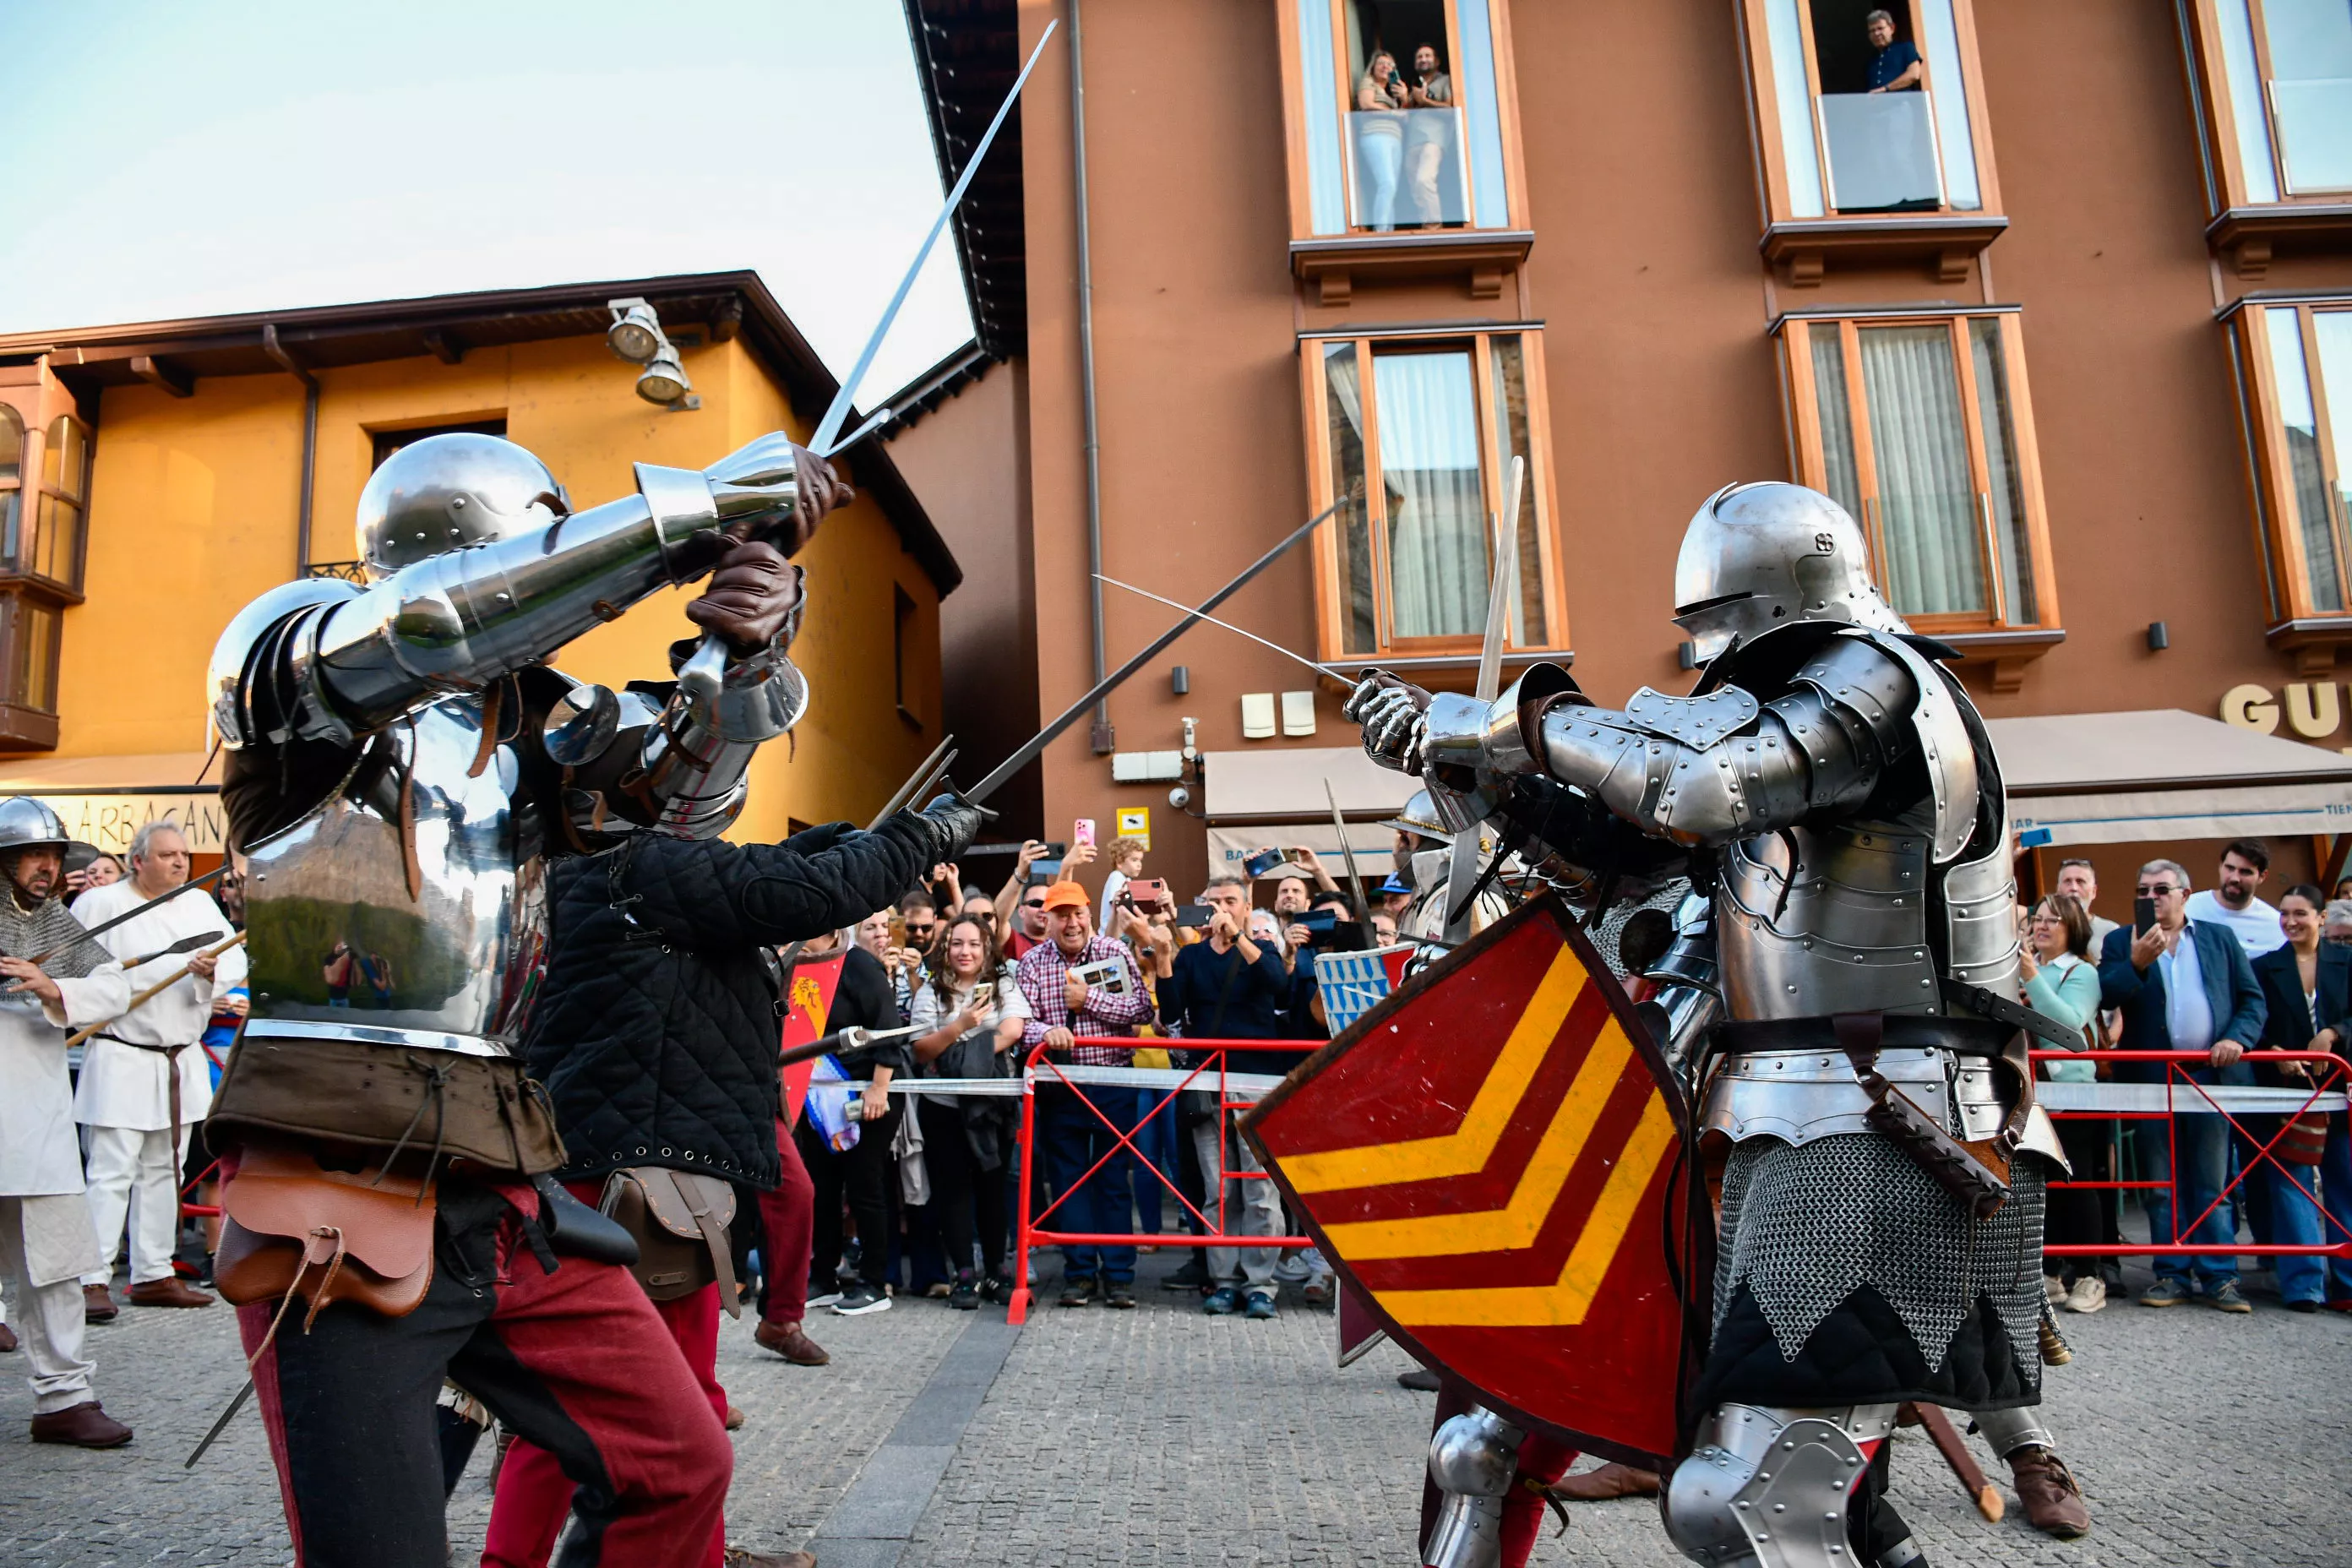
<point x="1472" y="1459"/>
<point x="1770" y="1488"/>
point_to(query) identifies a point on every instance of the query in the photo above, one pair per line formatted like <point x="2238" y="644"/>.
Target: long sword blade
<point x="134" y="912"/>
<point x="1228" y="625"/>
<point x="1028" y="751"/>
<point x="1462" y="871"/>
<point x="1347" y="853"/>
<point x="830" y="426"/>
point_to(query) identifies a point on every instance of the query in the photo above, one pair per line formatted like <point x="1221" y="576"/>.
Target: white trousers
<point x="134" y="1173"/>
<point x="47" y="1317"/>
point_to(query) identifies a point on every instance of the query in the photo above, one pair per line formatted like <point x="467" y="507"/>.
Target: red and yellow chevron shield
<point x="1494" y="1156"/>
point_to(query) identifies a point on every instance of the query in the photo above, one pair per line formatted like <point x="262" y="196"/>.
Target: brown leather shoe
<point x="735" y="1419"/>
<point x="739" y="1558"/>
<point x="172" y="1292"/>
<point x="789" y="1341"/>
<point x="1611" y="1480"/>
<point x="83" y="1425"/>
<point x="7" y="1338"/>
<point x="2053" y="1503"/>
<point x="97" y="1305"/>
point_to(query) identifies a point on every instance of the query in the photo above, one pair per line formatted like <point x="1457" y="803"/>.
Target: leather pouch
<point x="290" y="1226"/>
<point x="679" y="1219"/>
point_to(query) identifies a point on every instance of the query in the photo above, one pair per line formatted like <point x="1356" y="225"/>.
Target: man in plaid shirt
<point x="1073" y="1137"/>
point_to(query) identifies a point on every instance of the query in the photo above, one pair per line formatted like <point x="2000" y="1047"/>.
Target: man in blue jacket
<point x="2185" y="985"/>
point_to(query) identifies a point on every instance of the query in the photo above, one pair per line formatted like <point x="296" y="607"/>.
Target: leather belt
<point x="1961" y="1037"/>
<point x="171" y="1055"/>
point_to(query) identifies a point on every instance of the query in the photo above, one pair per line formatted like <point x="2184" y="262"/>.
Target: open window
<point x="1920" y="426"/>
<point x="53" y="550"/>
<point x="1873" y="130"/>
<point x="12" y="477"/>
<point x="1415" y="436"/>
<point x="2275" y="79"/>
<point x="2295" y="372"/>
<point x="1404" y="136"/>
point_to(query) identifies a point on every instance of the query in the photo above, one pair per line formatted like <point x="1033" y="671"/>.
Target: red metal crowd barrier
<point x="2331" y="1075"/>
<point x="1211" y="1063"/>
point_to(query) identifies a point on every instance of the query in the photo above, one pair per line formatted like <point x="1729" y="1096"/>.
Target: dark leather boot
<point x="174" y="1292"/>
<point x="2053" y="1503"/>
<point x="83" y="1425"/>
<point x="788" y="1341"/>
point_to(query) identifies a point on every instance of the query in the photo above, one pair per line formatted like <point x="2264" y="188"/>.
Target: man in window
<point x="1894" y="63"/>
<point x="1427" y="136"/>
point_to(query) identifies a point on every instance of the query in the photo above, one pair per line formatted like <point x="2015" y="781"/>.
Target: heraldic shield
<point x="1496" y="1157"/>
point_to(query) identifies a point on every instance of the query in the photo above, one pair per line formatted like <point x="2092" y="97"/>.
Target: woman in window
<point x="969" y="1012"/>
<point x="1381" y="99"/>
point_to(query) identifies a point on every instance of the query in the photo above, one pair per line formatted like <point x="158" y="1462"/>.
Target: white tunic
<point x="39" y="1151"/>
<point x="122" y="1086"/>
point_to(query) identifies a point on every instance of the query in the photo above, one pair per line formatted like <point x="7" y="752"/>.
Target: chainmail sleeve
<point x="1710" y="769"/>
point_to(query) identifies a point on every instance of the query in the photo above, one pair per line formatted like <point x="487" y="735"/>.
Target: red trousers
<point x="577" y="1361"/>
<point x="788" y="1229"/>
<point x="534" y="1494"/>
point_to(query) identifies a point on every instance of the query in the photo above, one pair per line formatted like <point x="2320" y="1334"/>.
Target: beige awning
<point x="106" y="800"/>
<point x="2164" y="774"/>
<point x="1285" y="783"/>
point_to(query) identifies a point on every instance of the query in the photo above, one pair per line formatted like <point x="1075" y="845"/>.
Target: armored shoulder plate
<point x="233" y="679"/>
<point x="1950" y="753"/>
<point x="1696" y="721"/>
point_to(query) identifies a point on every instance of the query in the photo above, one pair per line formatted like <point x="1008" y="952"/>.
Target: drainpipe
<point x="1100" y="732"/>
<point x="293" y="367"/>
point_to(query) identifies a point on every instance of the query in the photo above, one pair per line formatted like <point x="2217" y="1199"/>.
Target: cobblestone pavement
<point x="1164" y="1437"/>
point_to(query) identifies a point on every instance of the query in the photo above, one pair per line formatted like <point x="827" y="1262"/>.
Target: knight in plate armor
<point x="402" y="766"/>
<point x="1841" y="991"/>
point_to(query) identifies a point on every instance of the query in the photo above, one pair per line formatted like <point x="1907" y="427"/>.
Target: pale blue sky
<point x="175" y="159"/>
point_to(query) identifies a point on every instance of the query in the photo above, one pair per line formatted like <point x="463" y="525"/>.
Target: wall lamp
<point x="636" y="335"/>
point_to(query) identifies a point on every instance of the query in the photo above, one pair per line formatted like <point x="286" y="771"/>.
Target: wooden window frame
<point x="1949" y="237"/>
<point x="1997" y="636"/>
<point x="2297" y="626"/>
<point x="1331" y="261"/>
<point x="35" y="487"/>
<point x="13" y="490"/>
<point x="1331" y="601"/>
<point x="2221" y="127"/>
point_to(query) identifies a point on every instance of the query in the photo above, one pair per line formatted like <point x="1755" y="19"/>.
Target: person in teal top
<point x="2061" y="981"/>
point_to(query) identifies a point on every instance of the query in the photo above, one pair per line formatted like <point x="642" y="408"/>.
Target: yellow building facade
<point x="195" y="438"/>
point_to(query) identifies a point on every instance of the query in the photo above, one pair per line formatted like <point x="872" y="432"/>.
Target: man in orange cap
<point x="1080" y="983"/>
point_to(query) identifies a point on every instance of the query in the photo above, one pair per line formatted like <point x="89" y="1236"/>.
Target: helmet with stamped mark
<point x="1759" y="555"/>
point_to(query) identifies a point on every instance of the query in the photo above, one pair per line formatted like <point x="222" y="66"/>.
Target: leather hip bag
<point x="679" y="1219"/>
<point x="291" y="1227"/>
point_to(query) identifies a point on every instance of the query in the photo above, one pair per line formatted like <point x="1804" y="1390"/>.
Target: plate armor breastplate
<point x="430" y="876"/>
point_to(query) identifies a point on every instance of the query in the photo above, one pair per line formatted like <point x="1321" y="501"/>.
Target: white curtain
<point x="1927" y="501"/>
<point x="1836" y="416"/>
<point x="1429" y="469"/>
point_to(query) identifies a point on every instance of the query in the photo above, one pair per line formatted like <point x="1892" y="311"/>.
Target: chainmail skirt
<point x="1846" y="1276"/>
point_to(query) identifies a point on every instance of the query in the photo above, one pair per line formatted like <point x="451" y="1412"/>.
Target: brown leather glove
<point x="752" y="598"/>
<point x="820" y="490"/>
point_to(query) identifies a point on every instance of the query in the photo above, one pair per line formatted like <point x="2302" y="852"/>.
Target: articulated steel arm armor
<point x="1700" y="770"/>
<point x="402" y="759"/>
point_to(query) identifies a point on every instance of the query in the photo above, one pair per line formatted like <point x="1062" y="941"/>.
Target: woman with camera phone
<point x="969" y="1017"/>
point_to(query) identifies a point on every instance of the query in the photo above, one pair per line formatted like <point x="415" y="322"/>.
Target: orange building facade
<point x="2064" y="321"/>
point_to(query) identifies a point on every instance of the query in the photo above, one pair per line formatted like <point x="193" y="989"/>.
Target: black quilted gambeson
<point x="656" y="1032"/>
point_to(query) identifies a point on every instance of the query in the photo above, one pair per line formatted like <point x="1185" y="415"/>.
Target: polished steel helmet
<point x="1757" y="556"/>
<point x="1420" y="816"/>
<point x="445" y="492"/>
<point x="29" y="824"/>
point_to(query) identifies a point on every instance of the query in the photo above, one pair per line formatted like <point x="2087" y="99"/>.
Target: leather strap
<point x="1991" y="1005"/>
<point x="1958" y="1168"/>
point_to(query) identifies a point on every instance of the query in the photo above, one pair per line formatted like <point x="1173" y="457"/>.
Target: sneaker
<point x="1292" y="1269"/>
<point x="2053" y="1287"/>
<point x="1260" y="1306"/>
<point x="821" y="1298"/>
<point x="1421" y="1379"/>
<point x="1192" y="1274"/>
<point x="996" y="1289"/>
<point x="861" y="1299"/>
<point x="1220" y="1301"/>
<point x="1076" y="1292"/>
<point x="2305" y="1305"/>
<point x="2089" y="1294"/>
<point x="1121" y="1296"/>
<point x="2225" y="1297"/>
<point x="2164" y="1293"/>
<point x="965" y="1296"/>
<point x="1316" y="1291"/>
